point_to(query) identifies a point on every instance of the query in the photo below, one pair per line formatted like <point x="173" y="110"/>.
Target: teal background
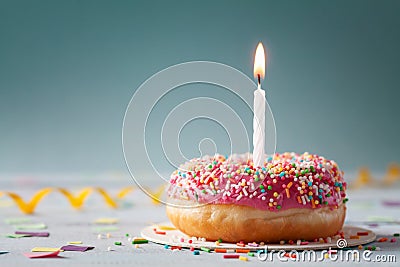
<point x="69" y="68"/>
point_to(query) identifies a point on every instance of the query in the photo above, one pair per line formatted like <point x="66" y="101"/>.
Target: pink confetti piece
<point x="34" y="255"/>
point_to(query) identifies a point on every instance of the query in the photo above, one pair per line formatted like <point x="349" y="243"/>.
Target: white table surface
<point x="137" y="211"/>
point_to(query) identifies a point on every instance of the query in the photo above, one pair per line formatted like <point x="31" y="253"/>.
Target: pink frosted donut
<point x="291" y="197"/>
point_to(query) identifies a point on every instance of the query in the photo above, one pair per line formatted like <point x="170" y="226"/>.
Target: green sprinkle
<point x="269" y="187"/>
<point x="210" y="166"/>
<point x="205" y="249"/>
<point x="312" y="168"/>
<point x="261" y="186"/>
<point x="297" y="175"/>
<point x="220" y="240"/>
<point x="294" y="165"/>
<point x="256" y="179"/>
<point x="278" y="207"/>
<point x="373" y="247"/>
<point x="396" y="234"/>
<point x="251" y="254"/>
<point x="117" y="243"/>
<point x="345" y="200"/>
<point x="140" y="241"/>
<point x="126" y="235"/>
<point x="328" y="195"/>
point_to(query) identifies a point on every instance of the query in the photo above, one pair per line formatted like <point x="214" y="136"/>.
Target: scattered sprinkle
<point x="205" y="249"/>
<point x="231" y="256"/>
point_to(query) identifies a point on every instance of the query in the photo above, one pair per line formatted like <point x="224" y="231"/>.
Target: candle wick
<point x="259" y="79"/>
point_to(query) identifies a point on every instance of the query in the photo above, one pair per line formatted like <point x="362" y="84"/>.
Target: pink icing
<point x="285" y="181"/>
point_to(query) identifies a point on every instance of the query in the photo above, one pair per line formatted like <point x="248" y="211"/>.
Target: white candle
<point x="259" y="109"/>
<point x="259" y="127"/>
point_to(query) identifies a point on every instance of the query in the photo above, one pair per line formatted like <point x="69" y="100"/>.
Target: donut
<point x="291" y="197"/>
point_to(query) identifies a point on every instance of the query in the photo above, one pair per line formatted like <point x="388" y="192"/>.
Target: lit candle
<point x="259" y="109"/>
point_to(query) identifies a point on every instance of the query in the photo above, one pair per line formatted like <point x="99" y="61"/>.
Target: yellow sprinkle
<point x="316" y="202"/>
<point x="45" y="249"/>
<point x="75" y="242"/>
<point x="242" y="258"/>
<point x="275" y="194"/>
<point x="166" y="227"/>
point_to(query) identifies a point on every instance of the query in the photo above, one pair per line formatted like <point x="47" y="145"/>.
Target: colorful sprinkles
<point x="285" y="181"/>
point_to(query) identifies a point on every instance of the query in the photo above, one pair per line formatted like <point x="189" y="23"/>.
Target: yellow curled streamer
<point x="124" y="191"/>
<point x="156" y="195"/>
<point x="107" y="197"/>
<point x="78" y="200"/>
<point x="29" y="206"/>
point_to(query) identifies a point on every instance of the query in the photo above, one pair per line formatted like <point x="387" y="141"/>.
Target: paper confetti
<point x="34" y="255"/>
<point x="75" y="242"/>
<point x="30" y="226"/>
<point x="20" y="220"/>
<point x="36" y="234"/>
<point x="106" y="221"/>
<point x="45" y="249"/>
<point x="76" y="248"/>
<point x="17" y="235"/>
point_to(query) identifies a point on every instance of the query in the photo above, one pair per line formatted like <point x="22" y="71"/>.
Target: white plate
<point x="173" y="237"/>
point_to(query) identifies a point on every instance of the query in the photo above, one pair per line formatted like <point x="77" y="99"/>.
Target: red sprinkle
<point x="160" y="232"/>
<point x="287" y="255"/>
<point x="393" y="240"/>
<point x="191" y="248"/>
<point x="220" y="250"/>
<point x="240" y="244"/>
<point x="231" y="256"/>
<point x="362" y="233"/>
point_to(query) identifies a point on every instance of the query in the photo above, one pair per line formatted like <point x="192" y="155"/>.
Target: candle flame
<point x="259" y="62"/>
